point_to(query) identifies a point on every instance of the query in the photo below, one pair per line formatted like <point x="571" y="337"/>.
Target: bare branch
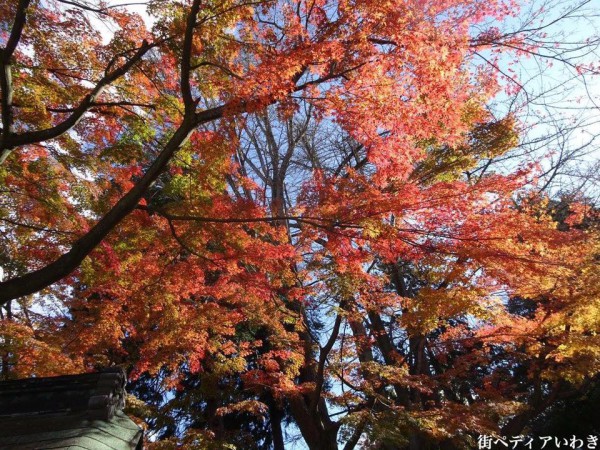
<point x="325" y="350"/>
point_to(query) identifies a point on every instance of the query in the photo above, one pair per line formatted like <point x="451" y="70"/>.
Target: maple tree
<point x="283" y="211"/>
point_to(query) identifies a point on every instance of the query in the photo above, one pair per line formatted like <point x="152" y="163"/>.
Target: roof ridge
<point x="97" y="395"/>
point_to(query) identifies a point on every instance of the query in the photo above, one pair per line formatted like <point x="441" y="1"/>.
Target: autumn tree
<point x="286" y="212"/>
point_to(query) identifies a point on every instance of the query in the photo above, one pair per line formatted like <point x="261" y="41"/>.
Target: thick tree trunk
<point x="275" y="418"/>
<point x="316" y="434"/>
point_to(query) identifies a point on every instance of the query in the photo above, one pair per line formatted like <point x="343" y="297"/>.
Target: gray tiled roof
<point x="74" y="411"/>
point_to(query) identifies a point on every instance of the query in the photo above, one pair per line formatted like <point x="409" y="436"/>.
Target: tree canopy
<point x="285" y="215"/>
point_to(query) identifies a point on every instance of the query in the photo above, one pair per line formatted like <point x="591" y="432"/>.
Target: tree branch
<point x="6" y="76"/>
<point x="186" y="90"/>
<point x="100" y="104"/>
<point x="322" y="359"/>
<point x="64" y="265"/>
<point x="99" y="10"/>
<point x="15" y="140"/>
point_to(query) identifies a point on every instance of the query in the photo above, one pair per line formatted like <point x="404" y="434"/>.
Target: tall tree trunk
<point x="275" y="416"/>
